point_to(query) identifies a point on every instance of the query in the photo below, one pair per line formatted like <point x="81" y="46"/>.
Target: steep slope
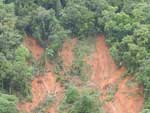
<point x="43" y="85"/>
<point x="66" y="53"/>
<point x="117" y="93"/>
<point x="109" y="79"/>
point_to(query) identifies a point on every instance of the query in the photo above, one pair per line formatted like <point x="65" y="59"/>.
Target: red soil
<point x="106" y="75"/>
<point x="66" y="53"/>
<point x="33" y="47"/>
<point x="67" y="56"/>
<point x="41" y="85"/>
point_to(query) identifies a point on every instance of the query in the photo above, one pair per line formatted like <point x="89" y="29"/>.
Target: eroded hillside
<point x="119" y="94"/>
<point x="114" y="88"/>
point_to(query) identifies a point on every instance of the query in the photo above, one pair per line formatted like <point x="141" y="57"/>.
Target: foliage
<point x="8" y="103"/>
<point x="15" y="75"/>
<point x="84" y="102"/>
<point x="72" y="95"/>
<point x="43" y="23"/>
<point x="88" y="103"/>
<point x="9" y="36"/>
<point x="56" y="43"/>
<point x="24" y="10"/>
<point x="143" y="76"/>
<point x="127" y="29"/>
<point x="145" y="111"/>
<point x="126" y="24"/>
<point x="119" y="25"/>
<point x="78" y="19"/>
<point x="14" y="70"/>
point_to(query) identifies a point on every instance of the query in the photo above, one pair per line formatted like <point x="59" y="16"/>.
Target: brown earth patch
<point x="106" y="75"/>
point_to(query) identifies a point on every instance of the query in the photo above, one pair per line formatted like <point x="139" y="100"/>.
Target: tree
<point x="87" y="103"/>
<point x="16" y="75"/>
<point x="97" y="6"/>
<point x="126" y="24"/>
<point x="58" y="7"/>
<point x="56" y="41"/>
<point x="143" y="77"/>
<point x="15" y="72"/>
<point x="43" y="23"/>
<point x="119" y="25"/>
<point x="24" y="10"/>
<point x="8" y="103"/>
<point x="78" y="19"/>
<point x="47" y="4"/>
<point x="9" y="36"/>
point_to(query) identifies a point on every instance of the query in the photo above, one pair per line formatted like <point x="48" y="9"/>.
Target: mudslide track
<point x="43" y="85"/>
<point x="46" y="84"/>
<point x="107" y="76"/>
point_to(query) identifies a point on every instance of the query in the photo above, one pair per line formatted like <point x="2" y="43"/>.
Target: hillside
<point x="105" y="77"/>
<point x="74" y="56"/>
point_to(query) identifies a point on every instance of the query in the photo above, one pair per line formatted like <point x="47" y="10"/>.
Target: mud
<point x="43" y="85"/>
<point x="67" y="53"/>
<point x="106" y="76"/>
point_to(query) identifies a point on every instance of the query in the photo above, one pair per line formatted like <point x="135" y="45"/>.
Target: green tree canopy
<point x="8" y="103"/>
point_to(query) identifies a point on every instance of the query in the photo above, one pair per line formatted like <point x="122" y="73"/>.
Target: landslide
<point x="118" y="94"/>
<point x="42" y="85"/>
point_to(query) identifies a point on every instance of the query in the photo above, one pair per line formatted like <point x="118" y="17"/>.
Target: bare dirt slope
<point x="46" y="84"/>
<point x="66" y="53"/>
<point x="109" y="79"/>
<point x="42" y="85"/>
<point x="35" y="49"/>
<point x="67" y="57"/>
<point x="105" y="75"/>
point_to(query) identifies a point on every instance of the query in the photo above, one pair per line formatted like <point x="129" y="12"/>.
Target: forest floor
<point x="120" y="94"/>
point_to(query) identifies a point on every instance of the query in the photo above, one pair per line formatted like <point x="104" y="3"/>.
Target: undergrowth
<point x="85" y="101"/>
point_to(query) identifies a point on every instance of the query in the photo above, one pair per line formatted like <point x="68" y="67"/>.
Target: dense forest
<point x="124" y="23"/>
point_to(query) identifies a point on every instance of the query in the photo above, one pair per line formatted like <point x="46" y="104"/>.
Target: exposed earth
<point x="118" y="92"/>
